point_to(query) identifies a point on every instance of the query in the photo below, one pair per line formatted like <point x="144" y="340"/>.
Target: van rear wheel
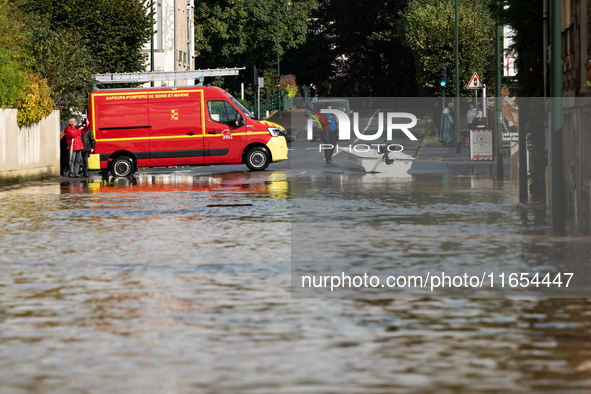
<point x="123" y="166"/>
<point x="258" y="158"/>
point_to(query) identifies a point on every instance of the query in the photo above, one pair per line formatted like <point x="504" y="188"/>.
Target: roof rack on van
<point x="164" y="75"/>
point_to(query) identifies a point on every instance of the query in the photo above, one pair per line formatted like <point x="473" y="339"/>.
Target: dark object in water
<point x="229" y="205"/>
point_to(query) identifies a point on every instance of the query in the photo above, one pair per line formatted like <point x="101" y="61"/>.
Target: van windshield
<point x="242" y="108"/>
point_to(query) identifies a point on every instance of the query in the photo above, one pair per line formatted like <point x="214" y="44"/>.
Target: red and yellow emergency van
<point x="178" y="126"/>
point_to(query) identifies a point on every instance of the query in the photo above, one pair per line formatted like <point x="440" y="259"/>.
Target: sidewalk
<point x="435" y="156"/>
<point x="436" y="151"/>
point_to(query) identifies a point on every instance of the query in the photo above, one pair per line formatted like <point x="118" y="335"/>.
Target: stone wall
<point x="29" y="152"/>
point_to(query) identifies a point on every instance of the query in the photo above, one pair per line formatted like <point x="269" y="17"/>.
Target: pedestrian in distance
<point x="305" y="93"/>
<point x="479" y="120"/>
<point x="75" y="146"/>
<point x="331" y="135"/>
<point x="447" y="129"/>
<point x="312" y="91"/>
<point x="451" y="110"/>
<point x="471" y="114"/>
<point x="88" y="142"/>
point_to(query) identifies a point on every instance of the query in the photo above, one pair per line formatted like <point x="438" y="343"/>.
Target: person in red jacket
<point x="75" y="146"/>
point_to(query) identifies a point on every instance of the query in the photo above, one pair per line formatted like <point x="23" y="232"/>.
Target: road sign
<point x="481" y="144"/>
<point x="475" y="82"/>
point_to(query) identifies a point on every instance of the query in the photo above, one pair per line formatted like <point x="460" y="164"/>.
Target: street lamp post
<point x="288" y="7"/>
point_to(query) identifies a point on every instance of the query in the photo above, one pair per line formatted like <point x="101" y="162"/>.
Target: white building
<point x="509" y="58"/>
<point x="174" y="41"/>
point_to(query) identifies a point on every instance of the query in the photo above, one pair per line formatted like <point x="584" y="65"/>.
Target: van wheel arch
<point x="257" y="157"/>
<point x="253" y="145"/>
<point x="119" y="161"/>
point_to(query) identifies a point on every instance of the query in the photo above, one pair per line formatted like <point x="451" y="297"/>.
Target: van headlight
<point x="275" y="132"/>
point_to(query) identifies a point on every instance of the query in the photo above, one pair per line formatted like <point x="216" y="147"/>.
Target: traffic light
<point x="443" y="76"/>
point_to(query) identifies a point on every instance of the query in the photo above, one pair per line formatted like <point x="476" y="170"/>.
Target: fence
<point x="271" y="104"/>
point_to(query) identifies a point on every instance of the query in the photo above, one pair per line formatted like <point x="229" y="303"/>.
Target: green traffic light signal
<point x="443" y="75"/>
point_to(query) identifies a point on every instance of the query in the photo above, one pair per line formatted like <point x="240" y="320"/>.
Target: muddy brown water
<point x="181" y="284"/>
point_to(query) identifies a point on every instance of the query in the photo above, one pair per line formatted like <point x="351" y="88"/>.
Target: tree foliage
<point x="243" y="33"/>
<point x="12" y="37"/>
<point x="69" y="40"/>
<point x="113" y="30"/>
<point x="429" y="32"/>
<point x="35" y="102"/>
<point x="66" y="63"/>
<point x="19" y="86"/>
<point x="353" y="46"/>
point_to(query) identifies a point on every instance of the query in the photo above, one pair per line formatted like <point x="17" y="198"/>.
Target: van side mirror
<point x="240" y="121"/>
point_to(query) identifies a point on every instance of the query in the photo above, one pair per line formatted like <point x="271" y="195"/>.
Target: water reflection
<point x="138" y="286"/>
<point x="447" y="223"/>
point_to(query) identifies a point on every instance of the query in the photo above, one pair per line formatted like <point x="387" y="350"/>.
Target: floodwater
<point x="181" y="284"/>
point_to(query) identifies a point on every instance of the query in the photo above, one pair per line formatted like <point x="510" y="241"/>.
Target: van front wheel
<point x="257" y="159"/>
<point x="123" y="166"/>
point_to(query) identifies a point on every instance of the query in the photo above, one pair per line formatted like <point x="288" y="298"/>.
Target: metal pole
<point x="558" y="198"/>
<point x="484" y="101"/>
<point x="175" y="49"/>
<point x="255" y="76"/>
<point x="498" y="112"/>
<point x="278" y="67"/>
<point x="545" y="44"/>
<point x="457" y="101"/>
<point x="440" y="118"/>
<point x="152" y="44"/>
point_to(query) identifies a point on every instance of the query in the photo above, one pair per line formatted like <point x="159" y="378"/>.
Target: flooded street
<point x="182" y="283"/>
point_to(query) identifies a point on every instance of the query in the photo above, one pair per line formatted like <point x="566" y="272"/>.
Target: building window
<point x="568" y="41"/>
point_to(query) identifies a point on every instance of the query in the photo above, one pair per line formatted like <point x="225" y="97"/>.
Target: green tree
<point x="429" y="33"/>
<point x="19" y="86"/>
<point x="243" y="33"/>
<point x="35" y="102"/>
<point x="352" y="46"/>
<point x="67" y="65"/>
<point x="12" y="38"/>
<point x="113" y="30"/>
